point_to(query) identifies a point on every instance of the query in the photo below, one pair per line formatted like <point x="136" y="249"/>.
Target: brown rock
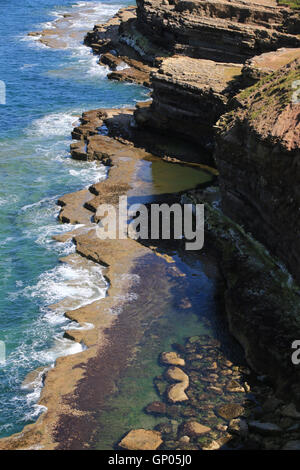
<point x="157" y="408"/>
<point x="176" y="393"/>
<point x="177" y="374"/>
<point x="110" y="60"/>
<point x="234" y="387"/>
<point x="172" y="358"/>
<point x="230" y="411"/>
<point x="193" y="428"/>
<point x="141" y="439"/>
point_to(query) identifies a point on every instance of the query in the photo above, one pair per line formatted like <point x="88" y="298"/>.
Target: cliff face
<point x="190" y="52"/>
<point x="208" y="41"/>
<point x="217" y="29"/>
<point x="258" y="157"/>
<point x="260" y="298"/>
<point x="189" y="95"/>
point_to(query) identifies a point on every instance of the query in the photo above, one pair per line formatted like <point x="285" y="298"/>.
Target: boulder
<point x="176" y="393"/>
<point x="141" y="439"/>
<point x="230" y="411"/>
<point x="265" y="429"/>
<point x="172" y="358"/>
<point x="193" y="429"/>
<point x="176" y="374"/>
<point x="157" y="408"/>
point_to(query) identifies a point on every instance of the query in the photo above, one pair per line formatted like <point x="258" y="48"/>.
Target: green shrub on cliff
<point x="271" y="94"/>
<point x="291" y="3"/>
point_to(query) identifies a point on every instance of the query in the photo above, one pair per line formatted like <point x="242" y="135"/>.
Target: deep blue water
<point x="47" y="90"/>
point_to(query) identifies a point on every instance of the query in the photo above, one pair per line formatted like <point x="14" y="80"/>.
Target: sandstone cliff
<point x="189" y="95"/>
<point x="258" y="158"/>
<point x="191" y="53"/>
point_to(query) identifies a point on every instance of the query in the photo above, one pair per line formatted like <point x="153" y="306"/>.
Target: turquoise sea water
<point x="46" y="92"/>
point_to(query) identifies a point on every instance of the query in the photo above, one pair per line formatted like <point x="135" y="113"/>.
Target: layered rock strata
<point x="217" y="29"/>
<point x="260" y="66"/>
<point x="191" y="53"/>
<point x="258" y="158"/>
<point x="189" y="95"/>
<point x="126" y="62"/>
<point x="122" y="125"/>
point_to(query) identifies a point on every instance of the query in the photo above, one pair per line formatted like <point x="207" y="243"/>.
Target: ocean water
<point x="46" y="91"/>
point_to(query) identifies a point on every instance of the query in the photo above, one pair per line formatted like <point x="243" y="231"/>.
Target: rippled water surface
<point x="46" y="92"/>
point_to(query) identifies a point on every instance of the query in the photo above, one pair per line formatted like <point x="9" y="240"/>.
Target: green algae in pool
<point x="184" y="299"/>
<point x="161" y="177"/>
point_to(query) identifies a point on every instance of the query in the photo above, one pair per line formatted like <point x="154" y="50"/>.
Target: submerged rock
<point x="234" y="387"/>
<point x="238" y="426"/>
<point x="290" y="411"/>
<point x="193" y="428"/>
<point x="230" y="410"/>
<point x="265" y="429"/>
<point x="157" y="408"/>
<point x="292" y="445"/>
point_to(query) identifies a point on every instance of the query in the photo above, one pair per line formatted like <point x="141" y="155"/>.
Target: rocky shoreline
<point x="199" y="58"/>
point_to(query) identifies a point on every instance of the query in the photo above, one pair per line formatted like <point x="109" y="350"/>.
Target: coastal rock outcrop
<point x="262" y="65"/>
<point x="108" y="40"/>
<point x="191" y="52"/>
<point x="217" y="29"/>
<point x="189" y="95"/>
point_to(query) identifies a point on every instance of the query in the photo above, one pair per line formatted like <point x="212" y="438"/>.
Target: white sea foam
<point x="90" y="173"/>
<point x="79" y="285"/>
<point x="62" y="347"/>
<point x="54" y="124"/>
<point x="122" y="300"/>
<point x="91" y="13"/>
<point x="82" y="326"/>
<point x="33" y="41"/>
<point x="27" y="66"/>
